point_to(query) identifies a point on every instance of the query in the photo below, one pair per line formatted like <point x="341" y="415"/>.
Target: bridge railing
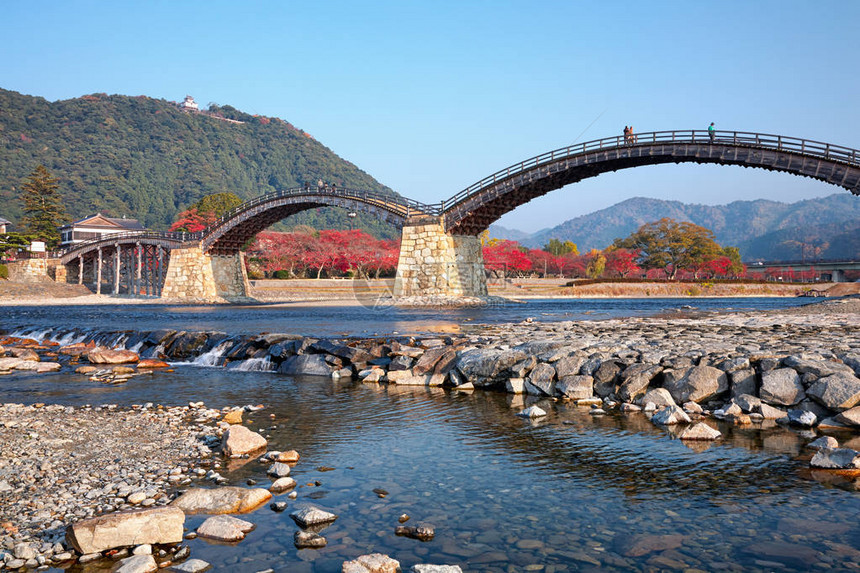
<point x="809" y="147"/>
<point x="125" y="237"/>
<point x="400" y="205"/>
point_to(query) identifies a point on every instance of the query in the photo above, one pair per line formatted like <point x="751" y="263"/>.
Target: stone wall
<point x="193" y="274"/>
<point x="29" y="270"/>
<point x="432" y="262"/>
<point x="231" y="278"/>
<point x="189" y="275"/>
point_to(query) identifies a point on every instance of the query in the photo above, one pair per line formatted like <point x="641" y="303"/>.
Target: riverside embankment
<point x="753" y="377"/>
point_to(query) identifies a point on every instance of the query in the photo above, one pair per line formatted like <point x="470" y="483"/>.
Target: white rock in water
<point x="836" y="459"/>
<point x="824" y="442"/>
<point x="239" y="440"/>
<point x="190" y="566"/>
<point x="425" y="568"/>
<point x="282" y="484"/>
<point x="137" y="564"/>
<point x="670" y="415"/>
<point x="279" y="470"/>
<point x="700" y="431"/>
<point x="224" y="528"/>
<point x="311" y="515"/>
<point x="532" y="412"/>
<point x="222" y="500"/>
<point x="372" y="563"/>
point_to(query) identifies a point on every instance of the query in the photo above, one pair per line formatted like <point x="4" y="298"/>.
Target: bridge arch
<point x="476" y="207"/>
<point x="227" y="235"/>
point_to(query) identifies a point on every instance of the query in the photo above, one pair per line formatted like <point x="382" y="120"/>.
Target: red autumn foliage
<point x="191" y="221"/>
<point x="330" y="252"/>
<point x="506" y="256"/>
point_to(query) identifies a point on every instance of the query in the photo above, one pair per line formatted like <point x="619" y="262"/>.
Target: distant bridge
<point x="135" y="262"/>
<point x="833" y="270"/>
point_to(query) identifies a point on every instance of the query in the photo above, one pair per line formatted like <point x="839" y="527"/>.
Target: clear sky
<point x="428" y="97"/>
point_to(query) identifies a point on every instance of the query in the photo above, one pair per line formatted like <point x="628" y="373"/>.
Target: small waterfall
<point x="214" y="356"/>
<point x="263" y="364"/>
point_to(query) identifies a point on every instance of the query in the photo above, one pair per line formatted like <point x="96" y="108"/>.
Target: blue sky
<point x="429" y="97"/>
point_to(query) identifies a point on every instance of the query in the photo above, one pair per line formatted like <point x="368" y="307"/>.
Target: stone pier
<point x="435" y="263"/>
<point x="193" y="274"/>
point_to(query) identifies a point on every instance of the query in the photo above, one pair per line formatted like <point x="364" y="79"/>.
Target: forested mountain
<point x="148" y="159"/>
<point x="762" y="229"/>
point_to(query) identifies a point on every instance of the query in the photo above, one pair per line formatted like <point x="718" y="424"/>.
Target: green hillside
<point x="148" y="159"/>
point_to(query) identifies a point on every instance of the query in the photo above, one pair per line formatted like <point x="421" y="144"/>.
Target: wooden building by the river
<point x="96" y="226"/>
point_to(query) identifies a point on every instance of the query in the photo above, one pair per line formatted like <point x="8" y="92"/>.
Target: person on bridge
<point x="628" y="134"/>
<point x="711" y="132"/>
<point x="320" y="185"/>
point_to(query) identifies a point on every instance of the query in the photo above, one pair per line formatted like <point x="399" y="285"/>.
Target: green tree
<point x="557" y="248"/>
<point x="43" y="208"/>
<point x="671" y="245"/>
<point x="734" y="255"/>
<point x="217" y="203"/>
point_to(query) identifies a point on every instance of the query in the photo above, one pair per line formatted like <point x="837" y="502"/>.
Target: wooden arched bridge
<point x="440" y="252"/>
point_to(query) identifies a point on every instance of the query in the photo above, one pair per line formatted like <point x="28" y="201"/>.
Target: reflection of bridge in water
<point x="440" y="250"/>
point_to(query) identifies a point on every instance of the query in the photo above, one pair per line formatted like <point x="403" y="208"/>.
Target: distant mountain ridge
<point x="762" y="229"/>
<point x="149" y="159"/>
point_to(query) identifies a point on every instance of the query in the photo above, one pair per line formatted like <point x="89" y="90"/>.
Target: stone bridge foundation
<point x="193" y="274"/>
<point x="433" y="263"/>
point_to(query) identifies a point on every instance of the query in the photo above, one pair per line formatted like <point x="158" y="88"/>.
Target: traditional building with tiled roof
<point x="96" y="226"/>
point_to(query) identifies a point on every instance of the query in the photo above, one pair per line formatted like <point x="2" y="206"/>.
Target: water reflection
<point x="572" y="492"/>
<point x="314" y="320"/>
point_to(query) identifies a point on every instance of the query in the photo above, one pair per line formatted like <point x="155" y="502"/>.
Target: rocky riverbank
<point x="58" y="465"/>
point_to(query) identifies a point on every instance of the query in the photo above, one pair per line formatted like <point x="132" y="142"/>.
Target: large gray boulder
<point x="635" y="380"/>
<point x="781" y="387"/>
<point x="569" y="365"/>
<point x="306" y="365"/>
<point x="221" y="500"/>
<point x="127" y="529"/>
<point x="485" y="367"/>
<point x="818" y="367"/>
<point x="576" y="387"/>
<point x="837" y="392"/>
<point x="743" y="382"/>
<point x="605" y="376"/>
<point x="698" y="384"/>
<point x="239" y="440"/>
<point x="658" y="396"/>
<point x="850" y="417"/>
<point x="836" y="459"/>
<point x="542" y="377"/>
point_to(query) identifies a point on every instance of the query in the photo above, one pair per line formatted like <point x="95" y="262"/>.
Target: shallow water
<point x="570" y="493"/>
<point x="358" y="320"/>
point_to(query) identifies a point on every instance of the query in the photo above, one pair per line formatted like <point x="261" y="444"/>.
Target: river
<point x="360" y="320"/>
<point x="573" y="492"/>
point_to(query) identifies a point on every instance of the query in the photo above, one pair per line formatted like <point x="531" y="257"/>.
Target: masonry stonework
<point x="29" y="270"/>
<point x="432" y="262"/>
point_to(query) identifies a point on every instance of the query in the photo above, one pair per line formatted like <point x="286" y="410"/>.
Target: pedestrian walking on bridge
<point x="711" y="132"/>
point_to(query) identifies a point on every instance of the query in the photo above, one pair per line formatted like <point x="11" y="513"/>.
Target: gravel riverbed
<point x="60" y="464"/>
